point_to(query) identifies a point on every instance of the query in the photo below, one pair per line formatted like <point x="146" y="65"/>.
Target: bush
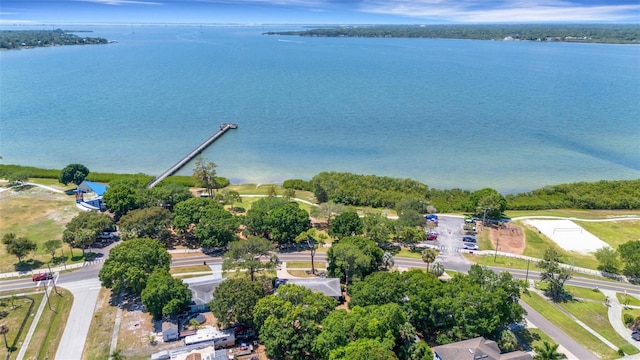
<point x="627" y="319"/>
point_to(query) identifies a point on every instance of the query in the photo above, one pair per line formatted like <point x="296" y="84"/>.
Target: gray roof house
<point x="327" y="286"/>
<point x="476" y="349"/>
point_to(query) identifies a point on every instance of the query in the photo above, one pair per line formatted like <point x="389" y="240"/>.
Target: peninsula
<point x="26" y="39"/>
<point x="593" y="33"/>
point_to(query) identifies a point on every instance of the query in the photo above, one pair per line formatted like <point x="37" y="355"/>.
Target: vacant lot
<point x="37" y="214"/>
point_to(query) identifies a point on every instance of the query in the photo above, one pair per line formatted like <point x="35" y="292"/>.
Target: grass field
<point x="613" y="233"/>
<point x="628" y="299"/>
<point x="39" y="215"/>
<point x="300" y="273"/>
<point x="576" y="213"/>
<point x="46" y="338"/>
<point x="189" y="269"/>
<point x="566" y="324"/>
<point x="594" y="314"/>
<point x="306" y="264"/>
<point x="501" y="261"/>
<point x="19" y="310"/>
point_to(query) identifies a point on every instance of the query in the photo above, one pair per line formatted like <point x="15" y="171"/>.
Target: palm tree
<point x="4" y="329"/>
<point x="387" y="260"/>
<point x="548" y="351"/>
<point x="437" y="269"/>
<point x="429" y="255"/>
<point x="116" y="355"/>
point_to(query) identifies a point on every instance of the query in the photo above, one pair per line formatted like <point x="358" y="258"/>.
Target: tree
<point x="153" y="222"/>
<point x="216" y="227"/>
<point x="548" y="351"/>
<point x="348" y="259"/>
<point x="608" y="259"/>
<point x="312" y="238"/>
<point x="363" y="349"/>
<point x="230" y="197"/>
<point x="629" y="252"/>
<point x="410" y="235"/>
<point x="378" y="227"/>
<point x="289" y="194"/>
<point x="410" y="218"/>
<point x="234" y="300"/>
<point x="165" y="195"/>
<point x="120" y="198"/>
<point x="254" y="254"/>
<point x="388" y="324"/>
<point x="83" y="229"/>
<point x="437" y="269"/>
<point x="379" y="288"/>
<point x="429" y="255"/>
<point x="18" y="246"/>
<point x="387" y="260"/>
<point x="289" y="321"/>
<point x="73" y="173"/>
<point x="508" y="341"/>
<point x="17" y="178"/>
<point x="346" y="224"/>
<point x="165" y="295"/>
<point x="277" y="219"/>
<point x="4" y="330"/>
<point x="204" y="175"/>
<point x="554" y="275"/>
<point x="51" y="246"/>
<point x="327" y="210"/>
<point x="488" y="199"/>
<point x="131" y="263"/>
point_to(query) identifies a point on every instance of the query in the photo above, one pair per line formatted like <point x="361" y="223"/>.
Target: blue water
<point x="513" y="116"/>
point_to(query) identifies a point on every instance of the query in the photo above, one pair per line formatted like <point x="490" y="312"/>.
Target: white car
<point x="470" y="246"/>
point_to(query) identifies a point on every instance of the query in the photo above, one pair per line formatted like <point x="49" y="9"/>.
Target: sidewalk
<point x="34" y="324"/>
<point x="615" y="318"/>
<point x="54" y="270"/>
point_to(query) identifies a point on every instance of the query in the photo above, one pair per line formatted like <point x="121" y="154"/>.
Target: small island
<point x="596" y="33"/>
<point x="27" y="39"/>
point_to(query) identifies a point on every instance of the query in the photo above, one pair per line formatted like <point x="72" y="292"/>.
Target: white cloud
<point x="472" y="11"/>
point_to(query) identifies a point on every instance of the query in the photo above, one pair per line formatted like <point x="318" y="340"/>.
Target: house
<point x="93" y="202"/>
<point x="192" y="353"/>
<point x="476" y="349"/>
<point x="202" y="289"/>
<point x="327" y="286"/>
<point x="170" y="331"/>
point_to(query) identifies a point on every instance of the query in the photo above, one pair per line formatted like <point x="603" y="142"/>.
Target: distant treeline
<point x="596" y="33"/>
<point x="388" y="192"/>
<point x="10" y="39"/>
<point x="376" y="191"/>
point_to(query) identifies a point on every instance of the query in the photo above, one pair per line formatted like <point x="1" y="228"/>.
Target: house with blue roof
<point x="89" y="195"/>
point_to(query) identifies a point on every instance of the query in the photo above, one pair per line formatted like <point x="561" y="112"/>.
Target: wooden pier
<point x="172" y="170"/>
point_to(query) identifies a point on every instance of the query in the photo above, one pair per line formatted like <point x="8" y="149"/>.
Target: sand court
<point x="568" y="235"/>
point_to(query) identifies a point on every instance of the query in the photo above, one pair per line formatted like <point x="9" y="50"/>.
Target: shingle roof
<point x="477" y="349"/>
<point x="327" y="286"/>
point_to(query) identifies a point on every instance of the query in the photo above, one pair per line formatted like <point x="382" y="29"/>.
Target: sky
<point x="37" y="12"/>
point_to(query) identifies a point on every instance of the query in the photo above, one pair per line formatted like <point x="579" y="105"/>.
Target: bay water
<point x="513" y="116"/>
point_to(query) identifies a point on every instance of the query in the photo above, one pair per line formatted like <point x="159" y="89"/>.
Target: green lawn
<point x="46" y="338"/>
<point x="576" y="213"/>
<point x="501" y="261"/>
<point x="189" y="269"/>
<point x="628" y="299"/>
<point x="613" y="233"/>
<point x="19" y="310"/>
<point x="305" y="264"/>
<point x="566" y="324"/>
<point x="537" y="244"/>
<point x="407" y="253"/>
<point x="585" y="293"/>
<point x="594" y="314"/>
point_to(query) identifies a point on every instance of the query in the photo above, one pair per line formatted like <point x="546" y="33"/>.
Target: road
<point x="448" y="239"/>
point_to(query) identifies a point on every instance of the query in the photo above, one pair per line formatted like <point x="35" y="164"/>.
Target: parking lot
<point x="449" y="238"/>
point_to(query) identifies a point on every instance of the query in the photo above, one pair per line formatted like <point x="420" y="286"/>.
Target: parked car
<point x="636" y="335"/>
<point x="470" y="246"/>
<point x="469" y="239"/>
<point x="432" y="235"/>
<point x="42" y="276"/>
<point x="106" y="236"/>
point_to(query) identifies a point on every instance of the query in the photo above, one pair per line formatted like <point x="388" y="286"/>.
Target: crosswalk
<point x="93" y="262"/>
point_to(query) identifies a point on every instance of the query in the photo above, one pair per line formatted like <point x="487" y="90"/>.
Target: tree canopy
<point x="253" y="254"/>
<point x="18" y="246"/>
<point x="73" y="173"/>
<point x="277" y="219"/>
<point x="165" y="295"/>
<point x="131" y="263"/>
<point x="554" y="274"/>
<point x="630" y="255"/>
<point x="346" y="224"/>
<point x="153" y="222"/>
<point x="289" y="321"/>
<point x="234" y="300"/>
<point x="83" y="229"/>
<point x="354" y="257"/>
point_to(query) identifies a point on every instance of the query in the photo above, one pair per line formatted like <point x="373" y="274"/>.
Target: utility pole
<point x="484" y="216"/>
<point x="54" y="280"/>
<point x="526" y="277"/>
<point x="495" y="255"/>
<point x="46" y="293"/>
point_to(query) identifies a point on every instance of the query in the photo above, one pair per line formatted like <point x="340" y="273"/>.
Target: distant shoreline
<point x="599" y="34"/>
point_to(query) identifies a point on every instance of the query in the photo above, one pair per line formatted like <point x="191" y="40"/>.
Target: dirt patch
<point x="508" y="237"/>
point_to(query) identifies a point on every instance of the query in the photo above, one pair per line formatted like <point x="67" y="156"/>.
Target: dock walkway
<point x="177" y="166"/>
